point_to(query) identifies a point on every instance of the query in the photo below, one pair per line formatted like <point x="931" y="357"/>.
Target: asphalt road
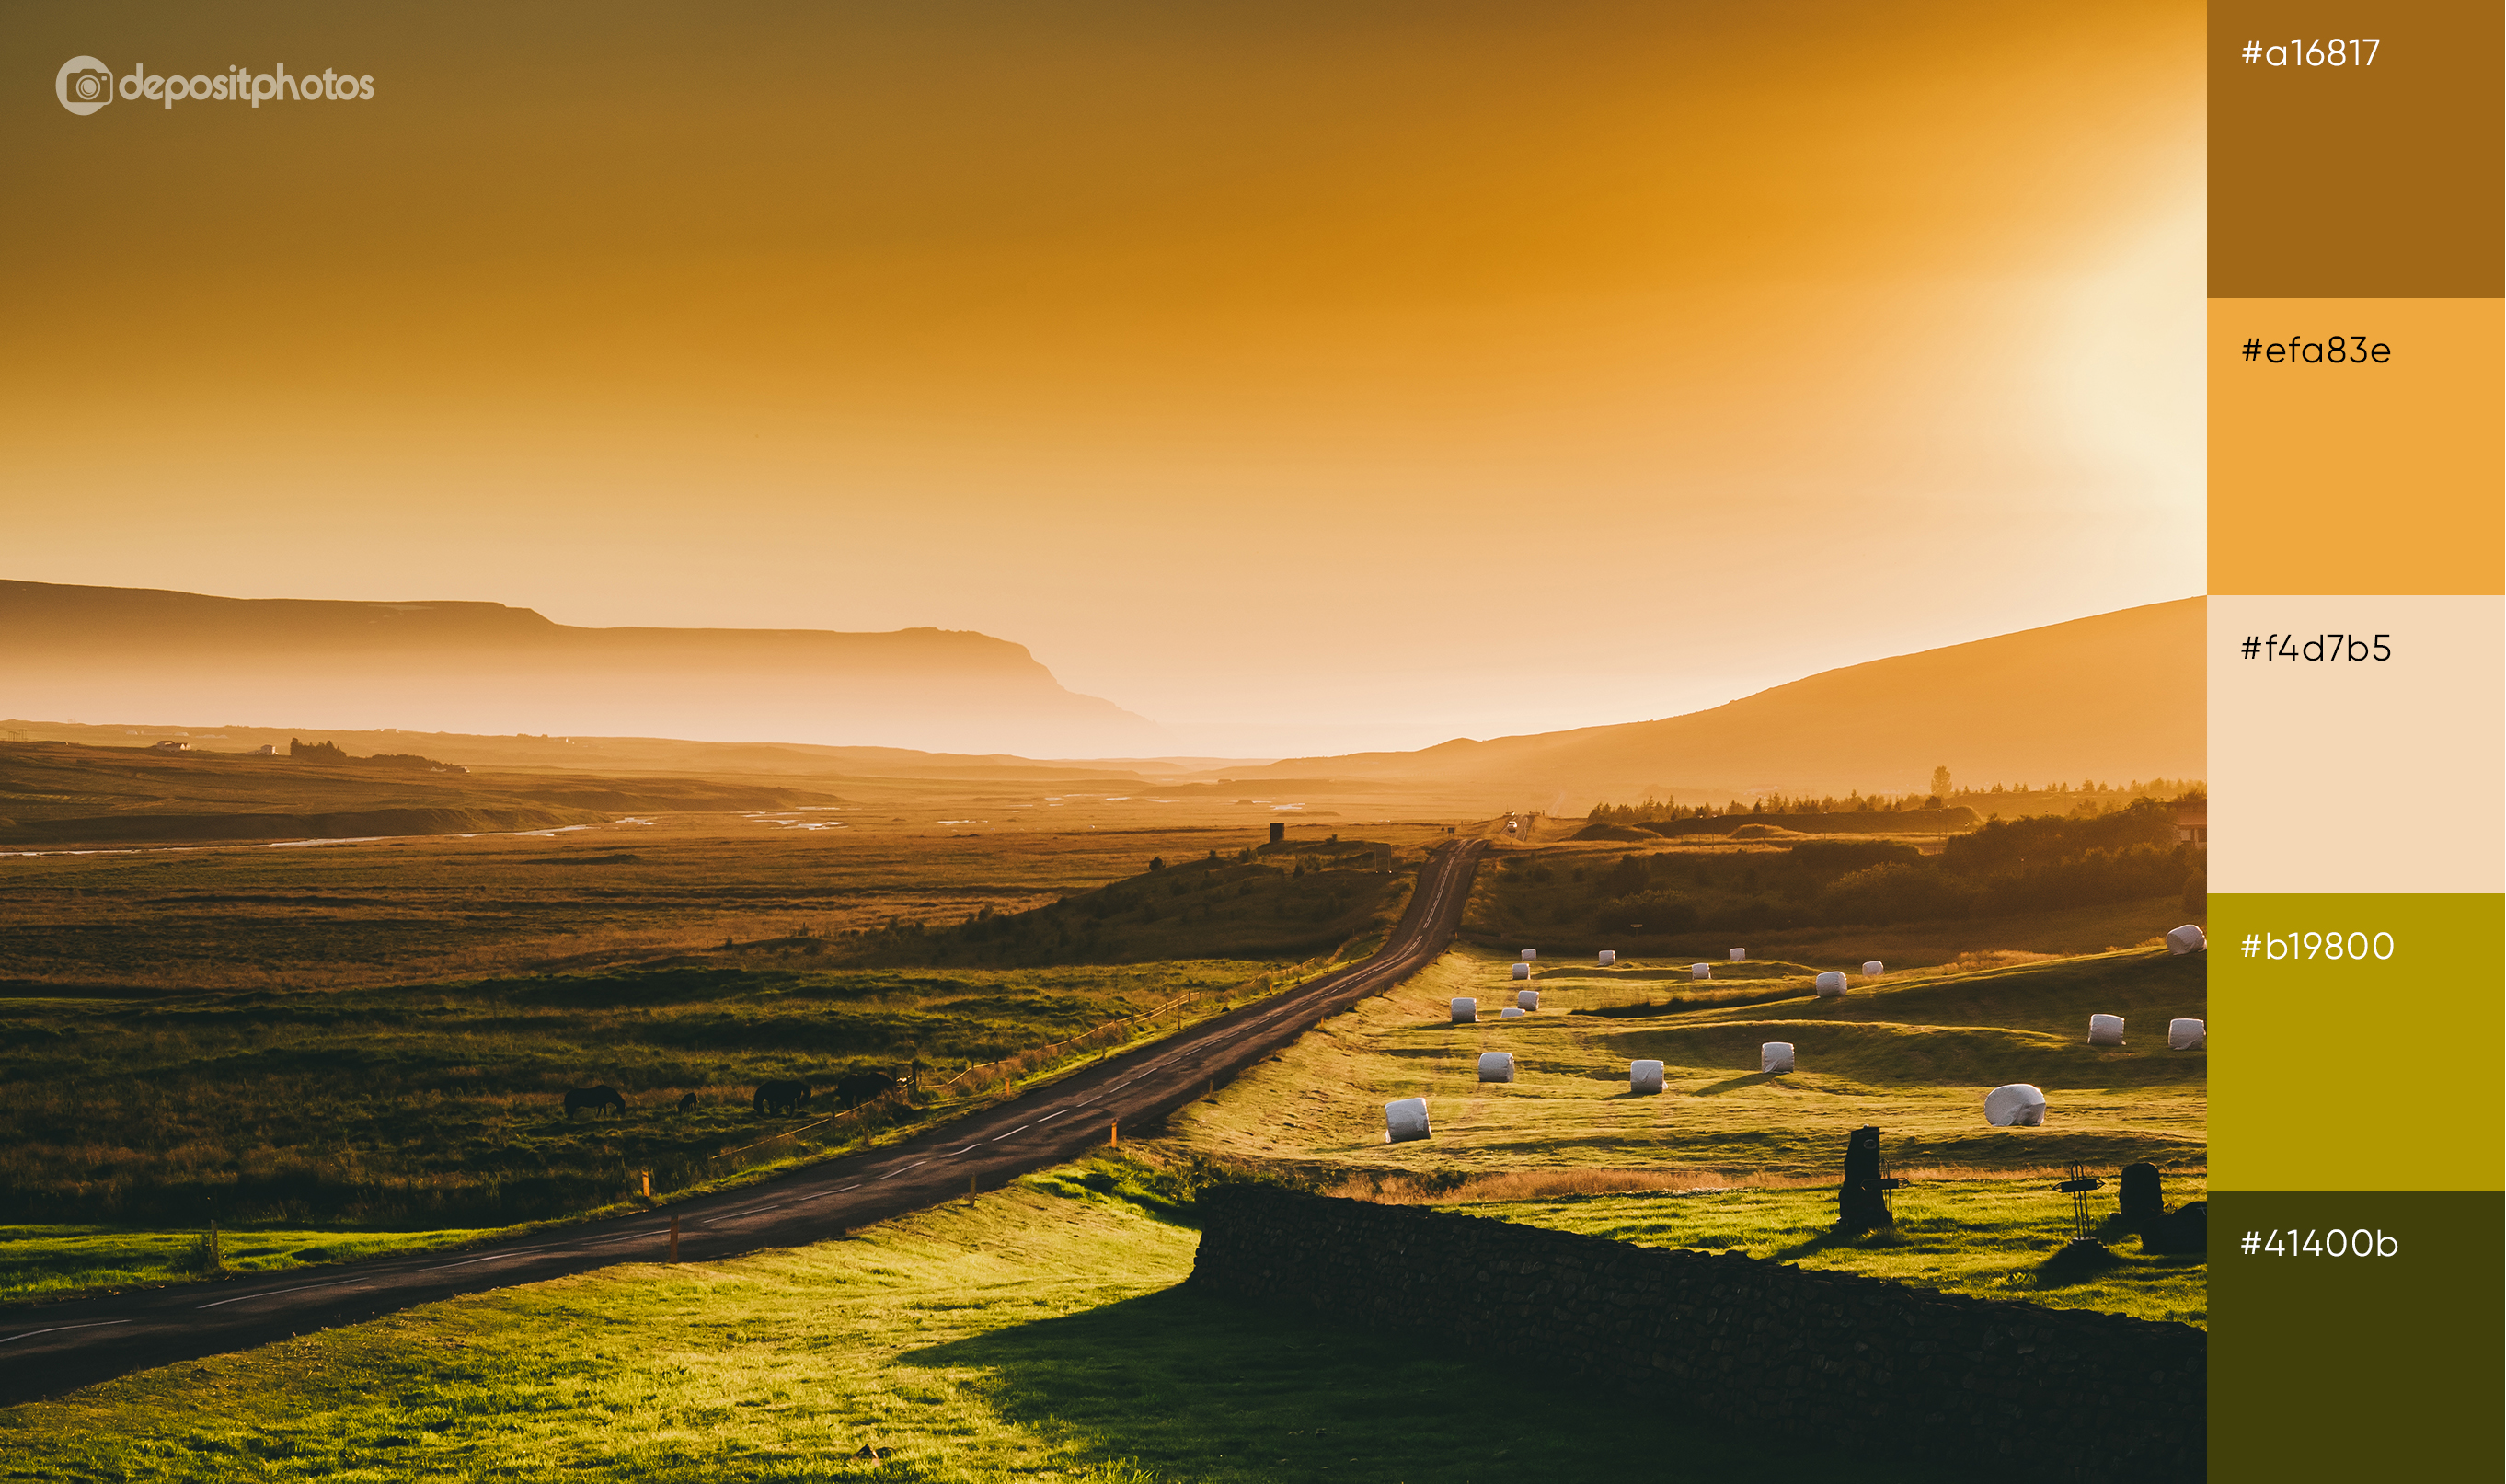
<point x="55" y="1348"/>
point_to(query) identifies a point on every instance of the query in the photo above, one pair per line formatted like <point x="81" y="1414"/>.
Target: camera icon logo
<point x="84" y="85"/>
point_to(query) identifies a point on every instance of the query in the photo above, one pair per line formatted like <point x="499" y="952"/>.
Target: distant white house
<point x="265" y="750"/>
<point x="171" y="745"/>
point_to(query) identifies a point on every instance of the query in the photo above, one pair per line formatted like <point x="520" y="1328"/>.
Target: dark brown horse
<point x="602" y="1097"/>
<point x="781" y="1097"/>
<point x="853" y="1089"/>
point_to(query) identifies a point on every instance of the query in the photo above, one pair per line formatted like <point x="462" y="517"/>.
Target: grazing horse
<point x="854" y="1089"/>
<point x="782" y="1097"/>
<point x="603" y="1095"/>
<point x="688" y="1103"/>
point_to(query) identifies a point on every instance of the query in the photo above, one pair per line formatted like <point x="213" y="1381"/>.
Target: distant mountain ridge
<point x="115" y="653"/>
<point x="2115" y="697"/>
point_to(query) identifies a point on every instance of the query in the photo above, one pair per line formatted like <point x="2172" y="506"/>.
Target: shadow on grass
<point x="1733" y="1084"/>
<point x="1876" y="1237"/>
<point x="1191" y="1387"/>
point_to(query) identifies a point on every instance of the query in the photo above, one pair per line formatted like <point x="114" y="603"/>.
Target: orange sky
<point x="1308" y="375"/>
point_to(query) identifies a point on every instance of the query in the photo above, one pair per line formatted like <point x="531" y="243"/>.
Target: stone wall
<point x="1975" y="1386"/>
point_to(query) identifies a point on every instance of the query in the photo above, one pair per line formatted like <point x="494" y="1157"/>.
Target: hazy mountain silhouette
<point x="102" y="654"/>
<point x="2111" y="698"/>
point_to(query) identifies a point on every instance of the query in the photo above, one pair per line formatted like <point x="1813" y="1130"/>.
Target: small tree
<point x="1941" y="781"/>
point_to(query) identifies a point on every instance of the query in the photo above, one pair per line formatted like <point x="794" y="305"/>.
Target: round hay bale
<point x="1829" y="985"/>
<point x="1529" y="999"/>
<point x="1531" y="954"/>
<point x="1739" y="954"/>
<point x="1405" y="1120"/>
<point x="1466" y="1012"/>
<point x="2187" y="939"/>
<point x="1700" y="971"/>
<point x="2015" y="1105"/>
<point x="1609" y="959"/>
<point x="1496" y="1066"/>
<point x="2105" y="1030"/>
<point x="1511" y="1011"/>
<point x="2188" y="1034"/>
<point x="1872" y="968"/>
<point x="1644" y="1077"/>
<point x="1775" y="1056"/>
<point x="1522" y="971"/>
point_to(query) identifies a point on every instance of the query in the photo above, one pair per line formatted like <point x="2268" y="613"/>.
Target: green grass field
<point x="46" y="1262"/>
<point x="1032" y="1334"/>
<point x="1913" y="1053"/>
<point x="425" y="1108"/>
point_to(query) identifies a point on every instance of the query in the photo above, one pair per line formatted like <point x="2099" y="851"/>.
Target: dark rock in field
<point x="2141" y="1199"/>
<point x="1861" y="1205"/>
<point x="2184" y="1232"/>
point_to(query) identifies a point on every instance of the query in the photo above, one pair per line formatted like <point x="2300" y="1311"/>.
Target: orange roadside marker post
<point x="1114" y="1134"/>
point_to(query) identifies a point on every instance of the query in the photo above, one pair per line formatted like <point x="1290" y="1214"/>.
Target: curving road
<point x="55" y="1348"/>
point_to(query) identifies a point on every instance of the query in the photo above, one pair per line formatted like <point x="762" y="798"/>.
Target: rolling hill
<point x="2114" y="697"/>
<point x="113" y="653"/>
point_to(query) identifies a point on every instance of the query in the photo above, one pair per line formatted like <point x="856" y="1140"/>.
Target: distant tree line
<point x="2034" y="864"/>
<point x="331" y="753"/>
<point x="2110" y="795"/>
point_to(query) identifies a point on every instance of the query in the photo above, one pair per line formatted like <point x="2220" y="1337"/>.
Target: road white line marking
<point x="1055" y="1114"/>
<point x="57" y="1328"/>
<point x="275" y="1292"/>
<point x="519" y="1252"/>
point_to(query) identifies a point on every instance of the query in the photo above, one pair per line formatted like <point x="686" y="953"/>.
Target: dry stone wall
<point x="1978" y="1387"/>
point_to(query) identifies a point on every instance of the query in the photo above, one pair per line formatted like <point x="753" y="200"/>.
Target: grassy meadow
<point x="1912" y="1052"/>
<point x="416" y="1107"/>
<point x="1035" y="1332"/>
<point x="441" y="1105"/>
<point x="429" y="909"/>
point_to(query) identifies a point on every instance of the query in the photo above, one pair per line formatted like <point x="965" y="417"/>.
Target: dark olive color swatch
<point x="2337" y="1366"/>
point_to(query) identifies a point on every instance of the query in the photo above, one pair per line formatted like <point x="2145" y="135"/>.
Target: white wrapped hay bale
<point x="1496" y="1066"/>
<point x="1511" y="1011"/>
<point x="1466" y="1012"/>
<point x="1531" y="954"/>
<point x="2105" y="1030"/>
<point x="2015" y="1105"/>
<point x="1522" y="971"/>
<point x="1405" y="1120"/>
<point x="1872" y="968"/>
<point x="1609" y="959"/>
<point x="1644" y="1077"/>
<point x="1829" y="985"/>
<point x="1529" y="999"/>
<point x="2187" y="939"/>
<point x="2188" y="1034"/>
<point x="1775" y="1056"/>
<point x="1739" y="954"/>
<point x="1700" y="971"/>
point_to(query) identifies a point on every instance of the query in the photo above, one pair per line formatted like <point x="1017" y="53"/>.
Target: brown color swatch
<point x="2380" y="180"/>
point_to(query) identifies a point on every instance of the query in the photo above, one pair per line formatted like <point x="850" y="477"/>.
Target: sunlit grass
<point x="1913" y="1054"/>
<point x="44" y="1262"/>
<point x="1032" y="1334"/>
